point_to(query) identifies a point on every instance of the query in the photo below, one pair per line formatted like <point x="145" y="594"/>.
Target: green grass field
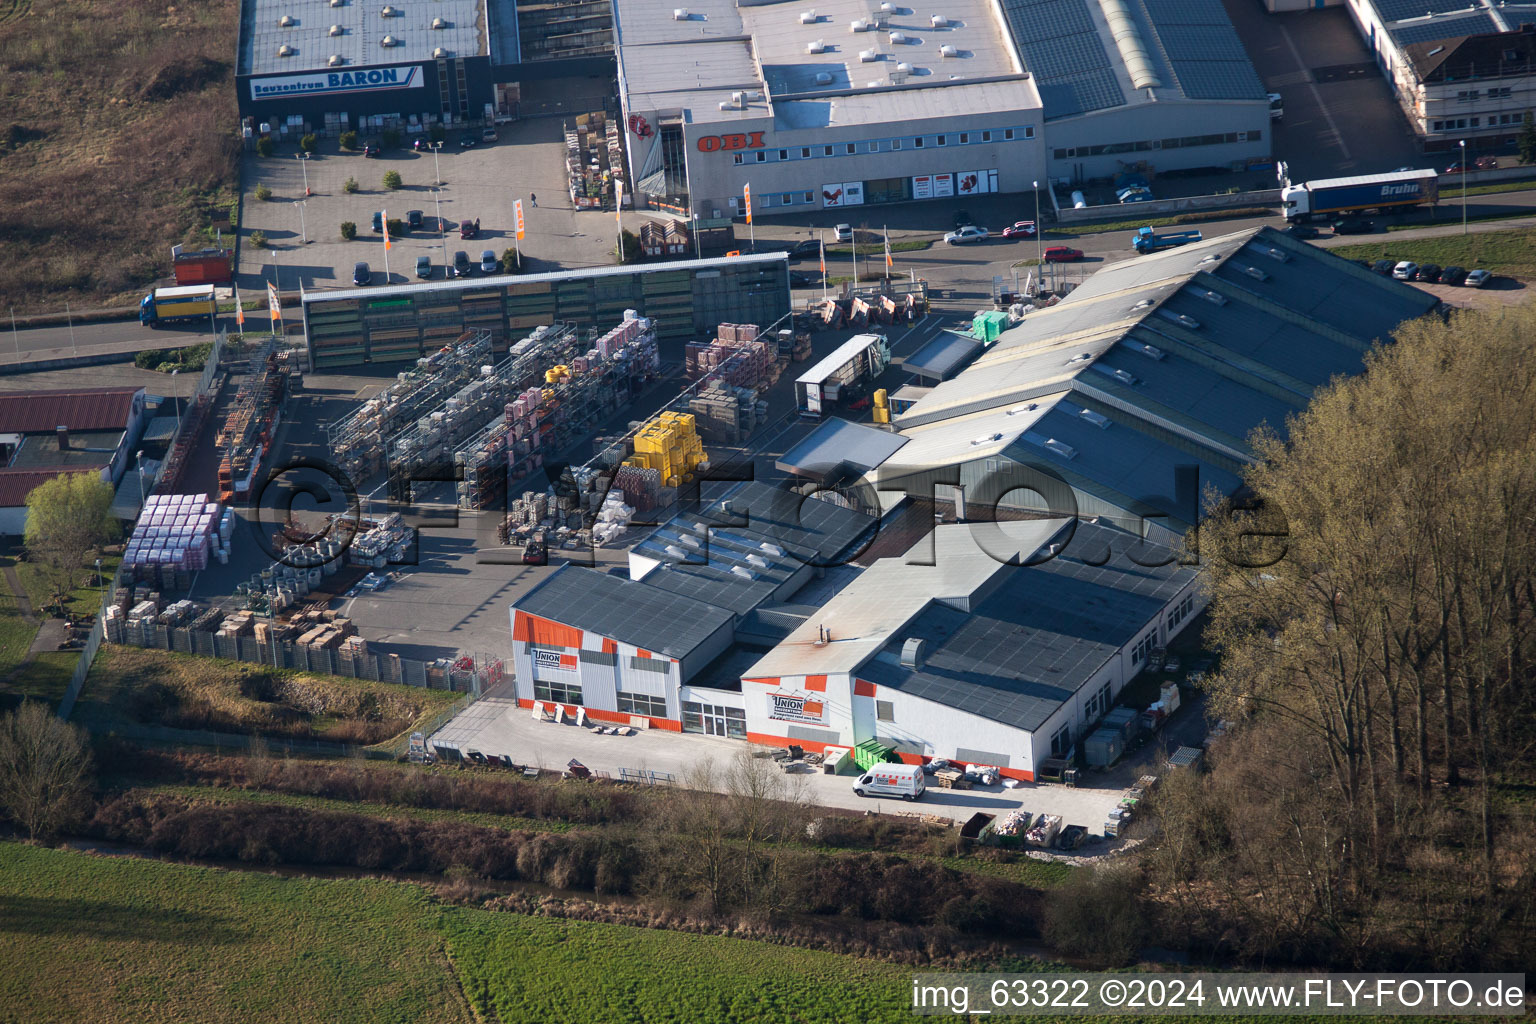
<point x="89" y="939"/>
<point x="1504" y="252"/>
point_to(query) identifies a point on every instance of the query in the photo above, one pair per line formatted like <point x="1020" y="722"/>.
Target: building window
<point x="642" y="704"/>
<point x="810" y="197"/>
<point x="736" y="158"/>
<point x="895" y="143"/>
<point x="826" y="151"/>
<point x="1007" y="134"/>
<point x="1476" y="121"/>
<point x="1097" y="704"/>
<point x="853" y="147"/>
<point x="965" y="138"/>
<point x="986" y="136"/>
<point x="1254" y="135"/>
<point x="714" y="721"/>
<point x="805" y="152"/>
<point x="1143" y="649"/>
<point x="658" y="665"/>
<point x="942" y="140"/>
<point x="1180" y="612"/>
<point x="885" y="711"/>
<point x="762" y="157"/>
<point x="1029" y="131"/>
<point x="874" y="147"/>
<point x="783" y="154"/>
<point x="560" y="693"/>
<point x="1061" y="742"/>
<point x="917" y="143"/>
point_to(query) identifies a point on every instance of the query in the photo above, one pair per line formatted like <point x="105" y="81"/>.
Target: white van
<point x="903" y="780"/>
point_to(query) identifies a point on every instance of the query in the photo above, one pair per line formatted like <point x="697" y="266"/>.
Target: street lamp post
<point x="303" y="159"/>
<point x="101" y="585"/>
<point x="696" y="252"/>
<point x="140" y="456"/>
<point x="436" y="170"/>
<point x="1039" y="241"/>
<point x="1463" y="145"/>
<point x="303" y="231"/>
<point x="177" y="399"/>
<point x="437" y="199"/>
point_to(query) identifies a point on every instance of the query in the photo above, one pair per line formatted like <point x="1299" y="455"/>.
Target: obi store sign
<point x="334" y="82"/>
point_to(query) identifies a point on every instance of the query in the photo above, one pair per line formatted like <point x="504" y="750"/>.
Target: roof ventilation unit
<point x="809" y="17"/>
<point x="1256" y="273"/>
<point x="823" y="78"/>
<point x="439" y="53"/>
<point x="1124" y="377"/>
<point x="676" y="552"/>
<point x="679" y="14"/>
<point x="858" y="25"/>
<point x="389" y="12"/>
<point x="1143" y="304"/>
<point x="1061" y="448"/>
<point x="286" y="21"/>
<point x="816" y="46"/>
<point x="743" y="572"/>
<point x="987" y="439"/>
<point x="887" y="8"/>
<point x="338" y="3"/>
<point x="1150" y="351"/>
<point x="757" y="560"/>
<point x="1097" y="419"/>
<point x="939" y="21"/>
<point x="285" y="50"/>
<point x="336" y="61"/>
<point x="904" y="68"/>
<point x="914" y="652"/>
<point x="337" y="30"/>
<point x="388" y="41"/>
<point x="689" y="541"/>
<point x="948" y="51"/>
<point x="869" y="56"/>
<point x="1026" y="407"/>
<point x="1187" y="321"/>
<point x="772" y="548"/>
<point x="1214" y="298"/>
<point x="898" y="38"/>
<point x="739" y="100"/>
<point x="1277" y="254"/>
<point x="439" y="24"/>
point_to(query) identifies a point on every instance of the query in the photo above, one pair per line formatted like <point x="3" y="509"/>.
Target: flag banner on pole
<point x="384" y="220"/>
<point x="823" y="257"/>
<point x="746" y="190"/>
<point x="618" y="202"/>
<point x="274" y="303"/>
<point x="239" y="311"/>
<point x="888" y="251"/>
<point x="517" y="205"/>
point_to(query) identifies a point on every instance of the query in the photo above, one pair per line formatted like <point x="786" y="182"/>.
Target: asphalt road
<point x="127" y="336"/>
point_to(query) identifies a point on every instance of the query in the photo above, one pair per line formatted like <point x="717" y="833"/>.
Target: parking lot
<point x="1340" y="115"/>
<point x="480" y="182"/>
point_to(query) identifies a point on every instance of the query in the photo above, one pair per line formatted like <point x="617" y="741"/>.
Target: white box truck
<point x="903" y="780"/>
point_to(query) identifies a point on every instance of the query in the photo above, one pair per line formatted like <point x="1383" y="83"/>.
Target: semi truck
<point x="1145" y="240"/>
<point x="853" y="365"/>
<point x="1332" y="196"/>
<point x="187" y="303"/>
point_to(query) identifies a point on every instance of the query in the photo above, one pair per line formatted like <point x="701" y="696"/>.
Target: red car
<point x="1485" y="163"/>
<point x="1021" y="229"/>
<point x="1456" y="169"/>
<point x="1062" y="254"/>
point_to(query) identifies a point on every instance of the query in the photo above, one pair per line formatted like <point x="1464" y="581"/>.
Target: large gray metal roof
<point x="630" y="612"/>
<point x="837" y="445"/>
<point x="943" y="357"/>
<point x="1041" y="635"/>
<point x="362" y="31"/>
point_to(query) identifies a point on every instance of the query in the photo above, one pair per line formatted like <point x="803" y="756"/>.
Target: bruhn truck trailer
<point x="1329" y="196"/>
<point x="166" y="304"/>
<point x="857" y="361"/>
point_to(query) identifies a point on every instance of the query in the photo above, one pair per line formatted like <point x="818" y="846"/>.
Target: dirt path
<point x="24" y="608"/>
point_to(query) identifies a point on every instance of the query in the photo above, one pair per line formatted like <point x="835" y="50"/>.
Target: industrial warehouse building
<point x="856" y="104"/>
<point x="412" y="61"/>
<point x="1094" y="426"/>
<point x="402" y="323"/>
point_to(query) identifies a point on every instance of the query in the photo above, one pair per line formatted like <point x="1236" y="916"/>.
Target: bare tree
<point x="45" y="769"/>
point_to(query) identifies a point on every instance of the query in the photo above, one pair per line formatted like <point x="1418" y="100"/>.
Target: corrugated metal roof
<point x="363" y="30"/>
<point x="838" y="443"/>
<point x="624" y="610"/>
<point x="34" y="412"/>
<point x="943" y="357"/>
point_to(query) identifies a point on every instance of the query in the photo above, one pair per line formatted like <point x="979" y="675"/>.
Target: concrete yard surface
<point x="496" y="725"/>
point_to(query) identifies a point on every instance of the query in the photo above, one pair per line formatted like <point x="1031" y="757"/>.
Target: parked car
<point x="489" y="264"/>
<point x="805" y="249"/>
<point x="1062" y="254"/>
<point x="421" y="146"/>
<point x="424" y="267"/>
<point x="1303" y="231"/>
<point x="903" y="780"/>
<point x="1456" y="168"/>
<point x="414" y="219"/>
<point x="1486" y="163"/>
<point x="488" y="133"/>
<point x="1384" y="267"/>
<point x="1477" y="278"/>
<point x="1429" y="272"/>
<point x="1353" y="226"/>
<point x="461" y="265"/>
<point x="969" y="233"/>
<point x="843" y="233"/>
<point x="1453" y="275"/>
<point x="963" y="219"/>
<point x="467" y="140"/>
<point x="378" y="221"/>
<point x="1020" y="229"/>
<point x="361" y="275"/>
<point x="800" y="279"/>
<point x="1406" y="270"/>
<point x="370" y="149"/>
<point x="1136" y="195"/>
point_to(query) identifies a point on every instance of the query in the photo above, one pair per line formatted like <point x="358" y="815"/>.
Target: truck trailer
<point x="1145" y="240"/>
<point x="187" y="303"/>
<point x="1331" y="196"/>
<point x="205" y="266"/>
<point x="855" y="363"/>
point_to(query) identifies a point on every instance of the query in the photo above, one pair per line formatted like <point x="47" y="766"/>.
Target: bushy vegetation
<point x="392" y="180"/>
<point x="348" y="230"/>
<point x="265" y="146"/>
<point x="191" y="359"/>
<point x="263" y="193"/>
<point x="348" y="140"/>
<point x="1502" y="252"/>
<point x="349" y="186"/>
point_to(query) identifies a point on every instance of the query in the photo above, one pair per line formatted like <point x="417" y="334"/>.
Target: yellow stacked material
<point x="555" y="374"/>
<point x="669" y="444"/>
<point x="882" y="406"/>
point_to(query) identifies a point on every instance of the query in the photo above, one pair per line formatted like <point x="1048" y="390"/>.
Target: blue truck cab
<point x="1145" y="240"/>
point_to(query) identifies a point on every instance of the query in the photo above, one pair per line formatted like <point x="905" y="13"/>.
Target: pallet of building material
<point x="951" y="778"/>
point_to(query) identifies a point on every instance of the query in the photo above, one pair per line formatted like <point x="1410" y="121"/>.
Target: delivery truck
<point x="903" y="780"/>
<point x="1146" y="240"/>
<point x="186" y="303"/>
<point x="1329" y="197"/>
<point x="845" y="372"/>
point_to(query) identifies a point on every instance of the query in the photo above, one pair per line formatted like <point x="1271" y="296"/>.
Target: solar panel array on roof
<point x="1185" y="12"/>
<point x="1218" y="80"/>
<point x="1202" y="43"/>
<point x="1443" y="28"/>
<point x="1208" y="58"/>
<point x="627" y="611"/>
<point x="1397" y="10"/>
<point x="1060" y="46"/>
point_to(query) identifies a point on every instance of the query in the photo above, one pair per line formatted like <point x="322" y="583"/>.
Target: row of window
<point x="1143" y="649"/>
<point x="887" y="145"/>
<point x="650" y="665"/>
<point x="642" y="704"/>
<point x="714" y="721"/>
<point x="1451" y="124"/>
<point x="1180" y="142"/>
<point x="1097" y="704"/>
<point x="1180" y="612"/>
<point x="560" y="693"/>
<point x="1473" y="95"/>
